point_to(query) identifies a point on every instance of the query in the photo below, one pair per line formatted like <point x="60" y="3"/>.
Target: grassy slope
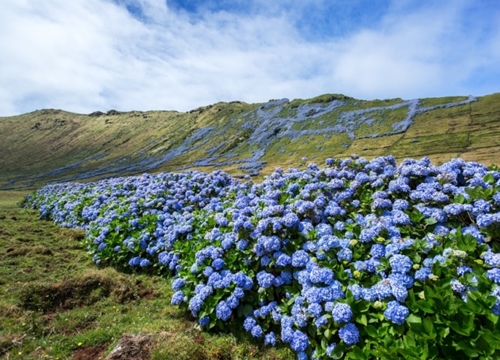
<point x="56" y="304"/>
<point x="44" y="140"/>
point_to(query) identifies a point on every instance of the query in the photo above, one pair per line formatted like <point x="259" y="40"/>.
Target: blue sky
<point x="88" y="55"/>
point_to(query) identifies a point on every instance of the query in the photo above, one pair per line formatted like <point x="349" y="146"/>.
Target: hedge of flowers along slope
<point x="359" y="259"/>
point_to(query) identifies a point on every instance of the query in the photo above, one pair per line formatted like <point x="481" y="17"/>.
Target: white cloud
<point x="87" y="55"/>
<point x="412" y="55"/>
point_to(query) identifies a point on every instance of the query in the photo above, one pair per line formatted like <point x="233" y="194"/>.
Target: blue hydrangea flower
<point x="249" y="323"/>
<point x="144" y="263"/>
<point x="341" y="312"/>
<point x="265" y="279"/>
<point x="321" y="321"/>
<point x="177" y="284"/>
<point x="315" y="309"/>
<point x="242" y="280"/>
<point x="257" y="331"/>
<point x="494" y="275"/>
<point x="496" y="308"/>
<point x="492" y="259"/>
<point x="242" y="244"/>
<point x="302" y="355"/>
<point x="233" y="301"/>
<point x="195" y="304"/>
<point x="217" y="264"/>
<point x="287" y="334"/>
<point x="321" y="275"/>
<point x="223" y="311"/>
<point x="396" y="313"/>
<point x="330" y="349"/>
<point x="368" y="234"/>
<point x="283" y="260"/>
<point x="377" y="251"/>
<point x="135" y="261"/>
<point x="300" y="258"/>
<point x="461" y="270"/>
<point x="270" y="339"/>
<point x="457" y="286"/>
<point x="177" y="298"/>
<point x="344" y="255"/>
<point x="400" y="263"/>
<point x="300" y="341"/>
<point x="204" y="321"/>
<point x="349" y="334"/>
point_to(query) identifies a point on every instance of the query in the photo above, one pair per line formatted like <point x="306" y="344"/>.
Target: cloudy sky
<point x="88" y="55"/>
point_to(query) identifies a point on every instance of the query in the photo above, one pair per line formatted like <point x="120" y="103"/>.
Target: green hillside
<point x="54" y="145"/>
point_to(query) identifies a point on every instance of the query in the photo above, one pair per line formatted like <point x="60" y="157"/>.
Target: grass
<point x="57" y="304"/>
<point x="441" y="100"/>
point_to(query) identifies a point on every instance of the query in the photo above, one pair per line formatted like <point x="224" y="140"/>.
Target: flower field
<point x="354" y="259"/>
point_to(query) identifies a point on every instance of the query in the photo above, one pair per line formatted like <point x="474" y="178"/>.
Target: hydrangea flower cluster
<point x="313" y="258"/>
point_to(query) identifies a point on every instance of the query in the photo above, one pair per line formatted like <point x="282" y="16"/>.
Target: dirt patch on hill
<point x="82" y="290"/>
<point x="90" y="353"/>
<point x="132" y="347"/>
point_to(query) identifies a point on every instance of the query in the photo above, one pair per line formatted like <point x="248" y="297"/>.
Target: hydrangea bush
<point x="357" y="259"/>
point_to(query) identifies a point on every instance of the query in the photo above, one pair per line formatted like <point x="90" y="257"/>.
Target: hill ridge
<point x="53" y="145"/>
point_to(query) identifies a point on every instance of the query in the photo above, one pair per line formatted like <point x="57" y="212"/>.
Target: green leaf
<point x="362" y="320"/>
<point x="458" y="329"/>
<point x="412" y="318"/>
<point x="429" y="327"/>
<point x="489" y="179"/>
<point x="409" y="341"/>
<point x="482" y="345"/>
<point x="433" y="351"/>
<point x="459" y="199"/>
<point x="425" y="306"/>
<point x="382" y="330"/>
<point x="400" y="329"/>
<point x="467" y="348"/>
<point x="430" y="221"/>
<point x="416" y="216"/>
<point x="493" y="339"/>
<point x="324" y="343"/>
<point x="371" y="330"/>
<point x="417" y="328"/>
<point x="349" y="296"/>
<point x="444" y="333"/>
<point x="472" y="305"/>
<point x="360" y="306"/>
<point x="359" y="354"/>
<point x="247" y="309"/>
<point x="410" y="352"/>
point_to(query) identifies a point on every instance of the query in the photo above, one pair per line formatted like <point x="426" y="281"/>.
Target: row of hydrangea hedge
<point x="357" y="259"/>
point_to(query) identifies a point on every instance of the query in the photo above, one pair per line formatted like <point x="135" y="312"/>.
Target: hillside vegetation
<point x="54" y="145"/>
